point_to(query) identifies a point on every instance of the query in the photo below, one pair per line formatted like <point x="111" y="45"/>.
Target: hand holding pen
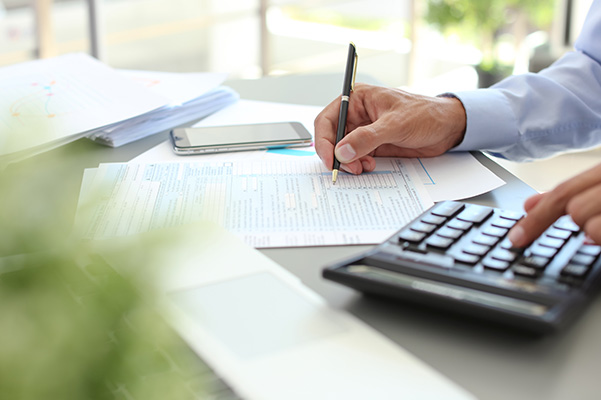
<point x="386" y="122"/>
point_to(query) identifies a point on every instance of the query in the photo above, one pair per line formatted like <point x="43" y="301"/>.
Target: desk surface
<point x="490" y="361"/>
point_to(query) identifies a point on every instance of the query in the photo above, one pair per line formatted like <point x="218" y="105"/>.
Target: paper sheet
<point x="190" y="96"/>
<point x="267" y="203"/>
<point x="452" y="176"/>
<point x="455" y="176"/>
<point x="178" y="87"/>
<point x="45" y="102"/>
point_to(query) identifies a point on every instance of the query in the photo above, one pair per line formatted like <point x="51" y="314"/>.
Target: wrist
<point x="454" y="118"/>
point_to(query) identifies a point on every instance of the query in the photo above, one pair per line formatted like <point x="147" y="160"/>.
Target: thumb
<point x="358" y="143"/>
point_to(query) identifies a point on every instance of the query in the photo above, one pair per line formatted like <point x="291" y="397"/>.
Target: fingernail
<point x="516" y="236"/>
<point x="345" y="153"/>
<point x="345" y="169"/>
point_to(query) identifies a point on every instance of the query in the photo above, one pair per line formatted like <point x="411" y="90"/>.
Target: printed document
<point x="266" y="203"/>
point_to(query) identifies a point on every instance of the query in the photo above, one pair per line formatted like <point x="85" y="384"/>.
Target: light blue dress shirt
<point x="532" y="116"/>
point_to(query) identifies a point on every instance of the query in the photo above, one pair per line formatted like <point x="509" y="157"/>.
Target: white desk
<point x="490" y="361"/>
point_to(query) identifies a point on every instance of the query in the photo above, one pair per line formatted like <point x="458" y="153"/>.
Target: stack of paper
<point x="185" y="104"/>
<point x="47" y="103"/>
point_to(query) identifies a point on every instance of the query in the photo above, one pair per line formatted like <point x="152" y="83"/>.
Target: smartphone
<point x="217" y="139"/>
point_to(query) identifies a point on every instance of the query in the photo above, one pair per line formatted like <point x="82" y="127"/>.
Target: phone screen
<point x="226" y="135"/>
<point x="239" y="137"/>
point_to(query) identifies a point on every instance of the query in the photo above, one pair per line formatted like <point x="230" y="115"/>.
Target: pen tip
<point x="334" y="176"/>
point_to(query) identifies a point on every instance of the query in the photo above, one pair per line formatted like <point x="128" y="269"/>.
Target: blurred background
<point x="414" y="43"/>
<point x="426" y="46"/>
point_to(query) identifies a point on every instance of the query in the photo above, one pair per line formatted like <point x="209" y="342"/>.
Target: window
<point x="402" y="42"/>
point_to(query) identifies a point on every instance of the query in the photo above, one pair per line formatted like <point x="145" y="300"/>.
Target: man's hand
<point x="384" y="122"/>
<point x="580" y="197"/>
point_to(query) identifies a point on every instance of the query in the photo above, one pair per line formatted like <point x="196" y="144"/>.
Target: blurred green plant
<point x="71" y="327"/>
<point x="324" y="15"/>
<point x="481" y="23"/>
<point x="71" y="333"/>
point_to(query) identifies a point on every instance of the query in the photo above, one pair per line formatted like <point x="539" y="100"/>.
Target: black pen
<point x="347" y="87"/>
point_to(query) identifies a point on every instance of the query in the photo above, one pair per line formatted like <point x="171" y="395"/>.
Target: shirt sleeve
<point x="532" y="116"/>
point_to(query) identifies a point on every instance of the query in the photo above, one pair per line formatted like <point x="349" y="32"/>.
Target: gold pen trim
<point x="355" y="70"/>
<point x="334" y="175"/>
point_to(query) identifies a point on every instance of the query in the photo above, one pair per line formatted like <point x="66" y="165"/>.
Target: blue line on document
<point x="426" y="171"/>
<point x="291" y="152"/>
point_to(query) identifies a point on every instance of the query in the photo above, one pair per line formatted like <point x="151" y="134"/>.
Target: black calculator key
<point x="503" y="223"/>
<point x="447" y="209"/>
<point x="548" y="241"/>
<point x="541" y="251"/>
<point x="503" y="255"/>
<point x="439" y="242"/>
<point x="512" y="215"/>
<point x="466" y="258"/>
<point x="559" y="233"/>
<point x="590" y="249"/>
<point x="460" y="225"/>
<point x="524" y="270"/>
<point x="411" y="236"/>
<point x="449" y="232"/>
<point x="494" y="231"/>
<point x="433" y="219"/>
<point x="535" y="262"/>
<point x="582" y="259"/>
<point x="497" y="265"/>
<point x="566" y="224"/>
<point x="475" y="214"/>
<point x="485" y="240"/>
<point x="422" y="227"/>
<point x="476" y="249"/>
<point x="575" y="270"/>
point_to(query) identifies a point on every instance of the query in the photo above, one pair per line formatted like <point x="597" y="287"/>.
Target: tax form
<point x="283" y="203"/>
<point x="450" y="176"/>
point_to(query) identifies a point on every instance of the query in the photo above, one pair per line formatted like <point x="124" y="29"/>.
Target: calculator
<point x="457" y="256"/>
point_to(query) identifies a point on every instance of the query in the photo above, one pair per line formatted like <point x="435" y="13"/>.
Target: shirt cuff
<point x="490" y="122"/>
